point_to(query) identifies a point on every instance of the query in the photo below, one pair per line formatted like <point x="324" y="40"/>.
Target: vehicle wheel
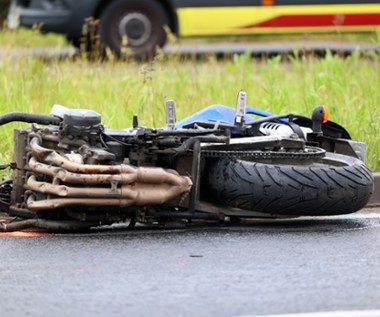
<point x="140" y="22"/>
<point x="335" y="184"/>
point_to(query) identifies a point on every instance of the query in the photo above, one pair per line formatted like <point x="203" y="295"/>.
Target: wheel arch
<point x="166" y="4"/>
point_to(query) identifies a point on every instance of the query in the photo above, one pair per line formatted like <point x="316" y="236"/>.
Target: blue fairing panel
<point x="221" y="113"/>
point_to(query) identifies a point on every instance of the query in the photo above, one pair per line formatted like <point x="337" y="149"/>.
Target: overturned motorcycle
<point x="70" y="172"/>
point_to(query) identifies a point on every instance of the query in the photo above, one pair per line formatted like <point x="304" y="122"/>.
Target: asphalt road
<point x="219" y="49"/>
<point x="286" y="266"/>
<point x="269" y="48"/>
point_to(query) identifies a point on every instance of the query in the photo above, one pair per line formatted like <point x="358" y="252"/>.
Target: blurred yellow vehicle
<point x="142" y="21"/>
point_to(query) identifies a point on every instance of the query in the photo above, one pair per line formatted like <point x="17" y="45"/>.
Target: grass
<point x="22" y="38"/>
<point x="117" y="90"/>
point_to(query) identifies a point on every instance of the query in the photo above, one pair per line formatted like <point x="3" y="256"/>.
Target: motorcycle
<point x="71" y="172"/>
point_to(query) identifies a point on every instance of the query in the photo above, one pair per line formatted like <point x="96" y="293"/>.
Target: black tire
<point x="140" y="21"/>
<point x="336" y="184"/>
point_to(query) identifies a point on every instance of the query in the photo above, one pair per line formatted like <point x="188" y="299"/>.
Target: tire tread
<point x="297" y="190"/>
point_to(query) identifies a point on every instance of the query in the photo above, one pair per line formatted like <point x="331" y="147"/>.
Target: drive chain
<point x="307" y="153"/>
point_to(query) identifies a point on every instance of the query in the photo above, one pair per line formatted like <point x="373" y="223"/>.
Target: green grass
<point x="117" y="90"/>
<point x="22" y="38"/>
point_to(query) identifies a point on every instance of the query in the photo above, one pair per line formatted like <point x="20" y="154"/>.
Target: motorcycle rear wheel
<point x="335" y="184"/>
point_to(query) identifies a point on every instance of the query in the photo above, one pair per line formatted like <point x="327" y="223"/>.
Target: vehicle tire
<point x="335" y="184"/>
<point x="141" y="22"/>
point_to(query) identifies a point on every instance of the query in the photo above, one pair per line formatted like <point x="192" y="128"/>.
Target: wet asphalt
<point x="265" y="267"/>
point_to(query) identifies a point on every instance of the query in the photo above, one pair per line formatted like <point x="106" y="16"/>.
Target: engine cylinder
<point x="81" y="123"/>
